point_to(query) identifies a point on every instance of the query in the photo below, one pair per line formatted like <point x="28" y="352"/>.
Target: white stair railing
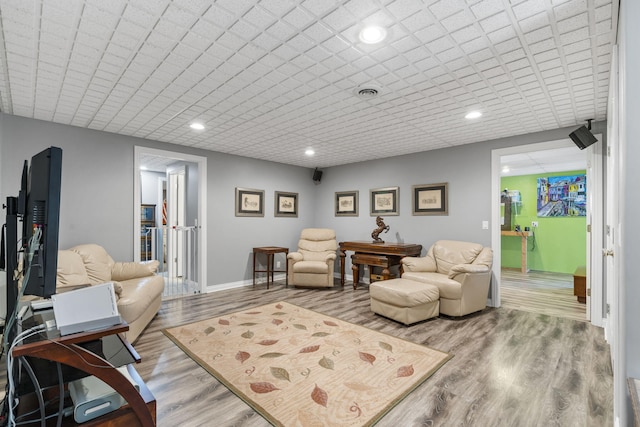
<point x="175" y="249"/>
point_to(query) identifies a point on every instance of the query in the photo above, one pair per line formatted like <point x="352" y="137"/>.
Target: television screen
<point x="41" y="219"/>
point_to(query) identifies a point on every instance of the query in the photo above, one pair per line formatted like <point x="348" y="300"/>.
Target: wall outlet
<point x="534" y="223"/>
<point x="277" y="264"/>
<point x="485" y="225"/>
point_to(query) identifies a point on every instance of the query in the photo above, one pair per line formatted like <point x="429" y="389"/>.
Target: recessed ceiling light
<point x="372" y="34"/>
<point x="196" y="126"/>
<point x="473" y="115"/>
<point x="309" y="152"/>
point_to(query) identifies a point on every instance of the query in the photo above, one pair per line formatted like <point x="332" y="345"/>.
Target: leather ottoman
<point x="405" y="301"/>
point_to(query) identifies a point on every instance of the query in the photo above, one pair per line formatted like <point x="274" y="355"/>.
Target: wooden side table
<point x="270" y="251"/>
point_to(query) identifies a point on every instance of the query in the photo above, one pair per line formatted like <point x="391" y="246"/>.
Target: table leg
<point x="356" y="274"/>
<point x="273" y="256"/>
<point x="342" y="257"/>
<point x="523" y="261"/>
<point x="254" y="269"/>
<point x="286" y="264"/>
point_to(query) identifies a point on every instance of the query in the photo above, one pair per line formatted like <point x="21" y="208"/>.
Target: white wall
<point x="630" y="232"/>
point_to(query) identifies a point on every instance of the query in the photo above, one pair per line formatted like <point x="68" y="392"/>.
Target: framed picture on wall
<point x="286" y="204"/>
<point x="249" y="202"/>
<point x="430" y="199"/>
<point x="384" y="201"/>
<point x="347" y="203"/>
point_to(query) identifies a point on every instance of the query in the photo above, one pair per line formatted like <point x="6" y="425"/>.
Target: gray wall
<point x="466" y="169"/>
<point x="97" y="195"/>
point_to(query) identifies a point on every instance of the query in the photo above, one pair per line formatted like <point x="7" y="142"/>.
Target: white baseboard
<point x="242" y="283"/>
<point x="262" y="280"/>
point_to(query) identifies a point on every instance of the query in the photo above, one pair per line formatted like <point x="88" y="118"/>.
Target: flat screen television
<point x="42" y="216"/>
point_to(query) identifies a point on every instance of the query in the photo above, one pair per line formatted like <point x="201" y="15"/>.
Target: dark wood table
<point x="270" y="251"/>
<point x="385" y="255"/>
<point x="140" y="409"/>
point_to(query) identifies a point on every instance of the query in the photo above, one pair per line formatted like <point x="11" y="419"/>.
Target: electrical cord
<point x="533" y="241"/>
<point x="12" y="402"/>
<point x="33" y="244"/>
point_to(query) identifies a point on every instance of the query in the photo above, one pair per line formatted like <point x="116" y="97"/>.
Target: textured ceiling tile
<point x="466" y="34"/>
<point x="428" y="34"/>
<point x="444" y="8"/>
<point x="495" y="22"/>
<point x="459" y="20"/>
<point x="529" y="8"/>
<point x="284" y="72"/>
<point x="403" y="8"/>
<point x="487" y="8"/>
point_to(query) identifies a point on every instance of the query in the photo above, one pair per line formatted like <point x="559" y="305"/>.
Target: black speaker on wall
<point x="317" y="175"/>
<point x="582" y="137"/>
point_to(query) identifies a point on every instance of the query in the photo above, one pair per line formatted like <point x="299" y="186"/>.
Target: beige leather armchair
<point x="460" y="270"/>
<point x="312" y="265"/>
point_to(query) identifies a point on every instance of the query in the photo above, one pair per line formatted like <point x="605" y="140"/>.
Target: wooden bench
<point x="580" y="284"/>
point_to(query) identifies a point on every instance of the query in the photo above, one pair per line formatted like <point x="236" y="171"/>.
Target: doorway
<point x="593" y="219"/>
<point x="179" y="188"/>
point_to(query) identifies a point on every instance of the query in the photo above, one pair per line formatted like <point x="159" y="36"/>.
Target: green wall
<point x="560" y="242"/>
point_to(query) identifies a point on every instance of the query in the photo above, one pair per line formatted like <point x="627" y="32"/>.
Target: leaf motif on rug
<point x="310" y="349"/>
<point x="280" y="373"/>
<point x="386" y="346"/>
<point x="326" y="363"/>
<point x="405" y="371"/>
<point x="263" y="387"/>
<point x="369" y="358"/>
<point x="320" y="396"/>
<point x="241" y="356"/>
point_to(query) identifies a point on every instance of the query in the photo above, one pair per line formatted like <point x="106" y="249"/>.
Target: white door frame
<point x="595" y="185"/>
<point x="202" y="204"/>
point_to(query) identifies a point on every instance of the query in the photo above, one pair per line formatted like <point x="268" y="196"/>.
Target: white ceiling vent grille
<point x="367" y="92"/>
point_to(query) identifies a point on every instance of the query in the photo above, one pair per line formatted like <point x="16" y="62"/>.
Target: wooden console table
<point x="141" y="405"/>
<point x="270" y="251"/>
<point x="383" y="255"/>
<point x="524" y="235"/>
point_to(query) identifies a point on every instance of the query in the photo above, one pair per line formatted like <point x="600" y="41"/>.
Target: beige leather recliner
<point x="312" y="265"/>
<point x="460" y="270"/>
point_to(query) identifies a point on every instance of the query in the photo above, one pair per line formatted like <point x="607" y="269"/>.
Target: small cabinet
<point x="147" y="222"/>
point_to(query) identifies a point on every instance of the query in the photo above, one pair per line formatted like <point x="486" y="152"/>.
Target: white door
<point x="176" y="212"/>
<point x="615" y="323"/>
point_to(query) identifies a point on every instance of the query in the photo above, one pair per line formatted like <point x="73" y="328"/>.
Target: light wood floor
<point x="510" y="367"/>
<point x="541" y="292"/>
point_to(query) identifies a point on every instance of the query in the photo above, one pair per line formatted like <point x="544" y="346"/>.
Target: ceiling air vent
<point x="367" y="92"/>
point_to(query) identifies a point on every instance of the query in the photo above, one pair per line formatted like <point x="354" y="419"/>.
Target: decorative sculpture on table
<point x="381" y="227"/>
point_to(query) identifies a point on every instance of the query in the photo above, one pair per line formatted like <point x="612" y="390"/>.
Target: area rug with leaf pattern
<point x="297" y="367"/>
